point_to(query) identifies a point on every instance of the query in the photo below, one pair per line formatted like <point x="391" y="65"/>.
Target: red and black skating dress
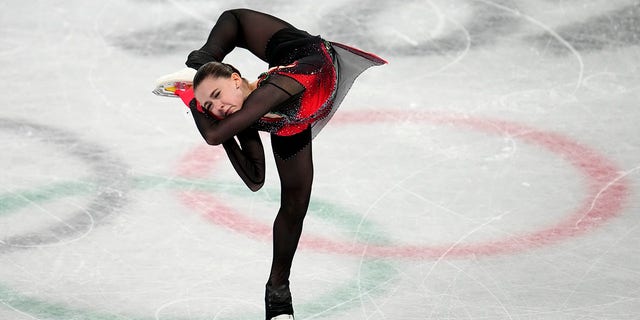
<point x="326" y="70"/>
<point x="308" y="78"/>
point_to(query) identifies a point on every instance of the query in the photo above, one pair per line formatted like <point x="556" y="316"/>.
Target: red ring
<point x="606" y="192"/>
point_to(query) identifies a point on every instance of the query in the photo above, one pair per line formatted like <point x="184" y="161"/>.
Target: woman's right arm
<point x="248" y="158"/>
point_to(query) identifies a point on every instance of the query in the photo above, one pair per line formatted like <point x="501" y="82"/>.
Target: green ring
<point x="376" y="272"/>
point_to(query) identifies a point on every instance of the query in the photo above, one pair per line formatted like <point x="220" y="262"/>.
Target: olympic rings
<point x="607" y="191"/>
<point x="371" y="272"/>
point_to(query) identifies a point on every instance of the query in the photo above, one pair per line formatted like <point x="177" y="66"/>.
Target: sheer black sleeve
<point x="247" y="158"/>
<point x="242" y="28"/>
<point x="251" y="30"/>
<point x="260" y="102"/>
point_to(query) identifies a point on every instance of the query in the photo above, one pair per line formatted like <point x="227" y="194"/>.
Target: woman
<point x="307" y="80"/>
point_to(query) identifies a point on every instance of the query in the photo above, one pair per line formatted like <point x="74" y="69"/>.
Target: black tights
<point x="253" y="30"/>
<point x="295" y="167"/>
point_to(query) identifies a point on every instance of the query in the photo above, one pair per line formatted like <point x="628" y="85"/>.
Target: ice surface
<point x="490" y="171"/>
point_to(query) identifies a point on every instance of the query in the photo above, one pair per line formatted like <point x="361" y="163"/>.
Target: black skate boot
<point x="278" y="303"/>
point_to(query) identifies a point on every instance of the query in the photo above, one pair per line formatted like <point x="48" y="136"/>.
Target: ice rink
<point x="490" y="171"/>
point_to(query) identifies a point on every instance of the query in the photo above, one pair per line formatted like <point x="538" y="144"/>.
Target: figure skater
<point x="307" y="80"/>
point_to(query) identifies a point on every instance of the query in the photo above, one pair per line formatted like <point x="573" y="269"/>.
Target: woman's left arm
<point x="247" y="158"/>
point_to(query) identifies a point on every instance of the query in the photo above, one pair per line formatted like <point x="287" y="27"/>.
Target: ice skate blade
<point x="169" y="89"/>
<point x="283" y="317"/>
<point x="166" y="86"/>
<point x="164" y="92"/>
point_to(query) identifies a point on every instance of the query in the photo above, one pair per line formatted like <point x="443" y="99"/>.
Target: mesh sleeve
<point x="247" y="158"/>
<point x="251" y="30"/>
<point x="260" y="102"/>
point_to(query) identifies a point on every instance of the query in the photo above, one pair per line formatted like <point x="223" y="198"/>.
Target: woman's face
<point x="221" y="96"/>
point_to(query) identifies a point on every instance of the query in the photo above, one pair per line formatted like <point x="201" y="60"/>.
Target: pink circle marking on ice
<point x="606" y="192"/>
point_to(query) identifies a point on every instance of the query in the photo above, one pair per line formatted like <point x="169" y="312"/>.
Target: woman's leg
<point x="295" y="168"/>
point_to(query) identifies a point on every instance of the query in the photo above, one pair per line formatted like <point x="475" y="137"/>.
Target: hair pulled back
<point x="215" y="70"/>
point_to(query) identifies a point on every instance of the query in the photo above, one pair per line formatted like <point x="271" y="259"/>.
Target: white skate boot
<point x="167" y="85"/>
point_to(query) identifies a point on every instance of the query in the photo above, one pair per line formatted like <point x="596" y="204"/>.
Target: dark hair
<point x="214" y="69"/>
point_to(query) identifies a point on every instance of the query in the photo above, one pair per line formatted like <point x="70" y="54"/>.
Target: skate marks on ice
<point x="438" y="28"/>
<point x="103" y="190"/>
<point x="480" y="25"/>
<point x="617" y="28"/>
<point x="428" y="28"/>
<point x="108" y="176"/>
<point x="179" y="37"/>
